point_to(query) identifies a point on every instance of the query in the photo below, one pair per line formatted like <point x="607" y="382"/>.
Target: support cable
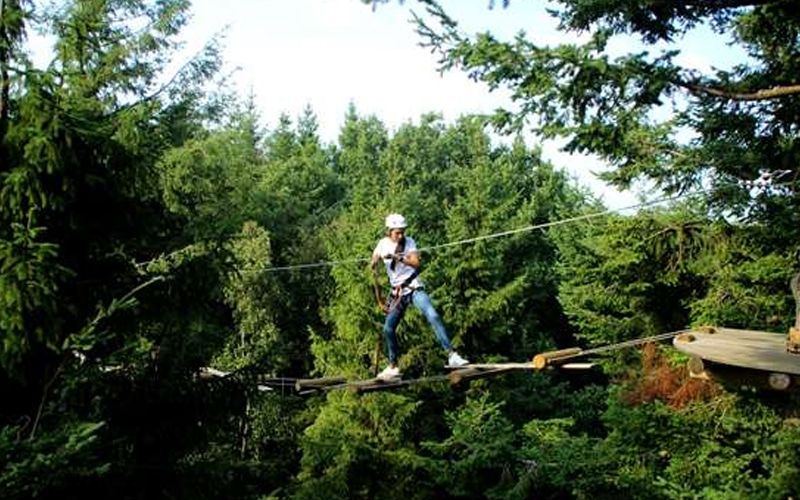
<point x="533" y="227"/>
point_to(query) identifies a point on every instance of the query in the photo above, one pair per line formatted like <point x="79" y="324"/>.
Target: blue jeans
<point x="422" y="302"/>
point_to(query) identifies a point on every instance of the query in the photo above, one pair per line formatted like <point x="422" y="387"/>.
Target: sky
<point x="329" y="53"/>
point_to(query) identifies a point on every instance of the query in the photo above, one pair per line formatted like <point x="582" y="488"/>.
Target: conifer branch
<point x="758" y="95"/>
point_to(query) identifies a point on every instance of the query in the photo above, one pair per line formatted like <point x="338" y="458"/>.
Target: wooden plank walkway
<point x="456" y="376"/>
<point x="742" y="348"/>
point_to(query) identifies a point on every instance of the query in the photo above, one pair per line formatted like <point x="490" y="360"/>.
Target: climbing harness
<point x="397" y="291"/>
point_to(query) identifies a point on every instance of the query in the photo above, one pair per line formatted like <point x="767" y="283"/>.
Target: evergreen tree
<point x="741" y="118"/>
<point x="452" y="185"/>
<point x="87" y="338"/>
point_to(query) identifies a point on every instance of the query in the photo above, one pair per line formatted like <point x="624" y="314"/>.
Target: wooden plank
<point x="743" y="348"/>
<point x="793" y="340"/>
<point x="524" y="366"/>
<point x="544" y="359"/>
<point x="576" y="366"/>
<point x="465" y="374"/>
<point x="317" y="383"/>
<point x="376" y="384"/>
<point x="530" y="366"/>
<point x="495" y="366"/>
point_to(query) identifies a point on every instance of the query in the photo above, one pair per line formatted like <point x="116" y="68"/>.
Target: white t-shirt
<point x="401" y="271"/>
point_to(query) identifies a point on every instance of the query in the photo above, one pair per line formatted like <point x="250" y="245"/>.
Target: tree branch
<point x="179" y="73"/>
<point x="45" y="391"/>
<point x="728" y="4"/>
<point x="758" y="95"/>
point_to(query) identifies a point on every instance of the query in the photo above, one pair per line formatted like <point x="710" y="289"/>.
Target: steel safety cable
<point x="533" y="227"/>
<point x="624" y="344"/>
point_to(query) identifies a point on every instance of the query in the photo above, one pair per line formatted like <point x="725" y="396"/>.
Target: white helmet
<point x="395" y="221"/>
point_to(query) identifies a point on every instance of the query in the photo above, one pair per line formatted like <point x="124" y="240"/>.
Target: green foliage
<point x="249" y="293"/>
<point x="210" y="182"/>
<point x="507" y="188"/>
<point x="55" y="461"/>
<point x="630" y="277"/>
<point x="350" y="311"/>
<point x="653" y="451"/>
<point x="746" y="287"/>
<point x="145" y="232"/>
<point x="479" y="449"/>
<point x="77" y="174"/>
<point x="453" y="185"/>
<point x="29" y="274"/>
<point x="613" y="105"/>
<point x="721" y="450"/>
<point x="360" y="448"/>
<point x="554" y="460"/>
<point x="662" y="271"/>
<point x="79" y="206"/>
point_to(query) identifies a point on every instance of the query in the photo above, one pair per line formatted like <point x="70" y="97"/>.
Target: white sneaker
<point x="455" y="361"/>
<point x="389" y="373"/>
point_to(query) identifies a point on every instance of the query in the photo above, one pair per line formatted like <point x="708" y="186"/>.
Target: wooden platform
<point x="750" y="349"/>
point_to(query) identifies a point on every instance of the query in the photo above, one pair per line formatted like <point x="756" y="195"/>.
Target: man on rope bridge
<point x="401" y="258"/>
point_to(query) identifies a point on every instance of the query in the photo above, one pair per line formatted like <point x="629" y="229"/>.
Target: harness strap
<point x="398" y="250"/>
<point x="397" y="292"/>
<point x="410" y="278"/>
<point x="396" y="295"/>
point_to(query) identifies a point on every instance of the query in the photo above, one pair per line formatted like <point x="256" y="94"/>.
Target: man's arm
<point x="411" y="259"/>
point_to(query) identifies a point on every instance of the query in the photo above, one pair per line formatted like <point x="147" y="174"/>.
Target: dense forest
<point x="151" y="226"/>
